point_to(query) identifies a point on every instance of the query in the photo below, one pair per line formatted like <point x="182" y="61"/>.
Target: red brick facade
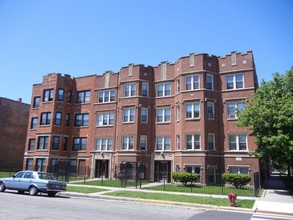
<point x="171" y="117"/>
<point x="13" y="127"/>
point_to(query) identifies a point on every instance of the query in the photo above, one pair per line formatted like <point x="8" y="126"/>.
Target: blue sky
<point x="84" y="37"/>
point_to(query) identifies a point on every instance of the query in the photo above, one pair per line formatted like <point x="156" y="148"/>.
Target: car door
<point x="27" y="180"/>
<point x="15" y="181"/>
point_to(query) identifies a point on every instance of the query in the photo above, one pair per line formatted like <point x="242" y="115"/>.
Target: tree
<point x="269" y="115"/>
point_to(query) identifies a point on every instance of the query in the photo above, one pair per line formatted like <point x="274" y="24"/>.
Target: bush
<point x="184" y="177"/>
<point x="237" y="180"/>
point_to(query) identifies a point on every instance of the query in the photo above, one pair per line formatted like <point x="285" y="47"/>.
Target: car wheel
<point x="51" y="194"/>
<point x="33" y="191"/>
<point x="20" y="191"/>
<point x="2" y="187"/>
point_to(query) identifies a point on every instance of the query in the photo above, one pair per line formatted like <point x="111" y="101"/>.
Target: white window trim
<point x="192" y="110"/>
<point x="107" y="144"/>
<point x="212" y="81"/>
<point x="163" y="143"/>
<point x="147" y="116"/>
<point x="234" y="81"/>
<point x="192" y="141"/>
<point x="163" y="115"/>
<point x="108" y="122"/>
<point x="164" y="89"/>
<point x="129" y="110"/>
<point x="192" y="82"/>
<point x="211" y="115"/>
<point x="130" y="89"/>
<point x="146" y="142"/>
<point x="147" y="89"/>
<point x="127" y="143"/>
<point x="233" y="116"/>
<point x="237" y="143"/>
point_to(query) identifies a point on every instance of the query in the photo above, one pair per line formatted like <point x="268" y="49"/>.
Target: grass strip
<point x="182" y="198"/>
<point x="85" y="190"/>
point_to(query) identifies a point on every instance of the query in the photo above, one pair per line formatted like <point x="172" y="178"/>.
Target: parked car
<point x="33" y="182"/>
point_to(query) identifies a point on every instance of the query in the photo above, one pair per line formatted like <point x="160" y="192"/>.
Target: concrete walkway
<point x="275" y="203"/>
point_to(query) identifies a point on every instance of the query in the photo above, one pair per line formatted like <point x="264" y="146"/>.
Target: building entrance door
<point x="102" y="168"/>
<point x="162" y="171"/>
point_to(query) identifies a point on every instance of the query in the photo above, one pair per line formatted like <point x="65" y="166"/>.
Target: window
<point x="46" y="118"/>
<point x="237" y="143"/>
<point x="129" y="90"/>
<point x="163" y="143"/>
<point x="31" y="144"/>
<point x="104" y="144"/>
<point x="234" y="109"/>
<point x="192" y="82"/>
<point x="164" y="89"/>
<point x="128" y="115"/>
<point x="40" y="166"/>
<point x="67" y="118"/>
<point x="177" y="85"/>
<point x="177" y="142"/>
<point x="143" y="143"/>
<point x="235" y="81"/>
<point x="58" y="118"/>
<point x="192" y="110"/>
<point x="69" y="94"/>
<point x="37" y="102"/>
<point x="65" y="142"/>
<point x="210" y="108"/>
<point x="105" y="119"/>
<point x="238" y="170"/>
<point x="72" y="166"/>
<point x="43" y="142"/>
<point x="54" y="165"/>
<point x="178" y="113"/>
<point x="48" y="95"/>
<point x="106" y="96"/>
<point x="60" y="96"/>
<point x="163" y="115"/>
<point x="127" y="143"/>
<point x="83" y="96"/>
<point x="209" y="81"/>
<point x="29" y="164"/>
<point x="144" y="115"/>
<point x="34" y="123"/>
<point x="79" y="144"/>
<point x="145" y="90"/>
<point x="81" y="120"/>
<point x="56" y="143"/>
<point x="193" y="142"/>
<point x="211" y="142"/>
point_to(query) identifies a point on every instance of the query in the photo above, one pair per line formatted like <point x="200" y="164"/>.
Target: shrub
<point x="184" y="177"/>
<point x="237" y="180"/>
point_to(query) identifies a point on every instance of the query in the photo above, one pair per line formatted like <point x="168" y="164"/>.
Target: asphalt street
<point x="24" y="207"/>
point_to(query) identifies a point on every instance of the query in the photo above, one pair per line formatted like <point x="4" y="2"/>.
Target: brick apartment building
<point x="14" y="117"/>
<point x="171" y="117"/>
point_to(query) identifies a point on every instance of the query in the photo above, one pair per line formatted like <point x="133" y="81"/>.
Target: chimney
<point x="20" y="100"/>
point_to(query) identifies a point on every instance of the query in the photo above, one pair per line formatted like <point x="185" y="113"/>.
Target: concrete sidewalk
<point x="275" y="203"/>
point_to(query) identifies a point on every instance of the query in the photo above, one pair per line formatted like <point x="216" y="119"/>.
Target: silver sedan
<point x="33" y="182"/>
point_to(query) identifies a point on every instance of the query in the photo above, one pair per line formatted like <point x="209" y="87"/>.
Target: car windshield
<point x="46" y="176"/>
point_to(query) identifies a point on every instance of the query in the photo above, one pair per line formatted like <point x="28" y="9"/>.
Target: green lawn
<point x="6" y="174"/>
<point x="110" y="183"/>
<point x="215" y="190"/>
<point x="181" y="198"/>
<point x="84" y="189"/>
